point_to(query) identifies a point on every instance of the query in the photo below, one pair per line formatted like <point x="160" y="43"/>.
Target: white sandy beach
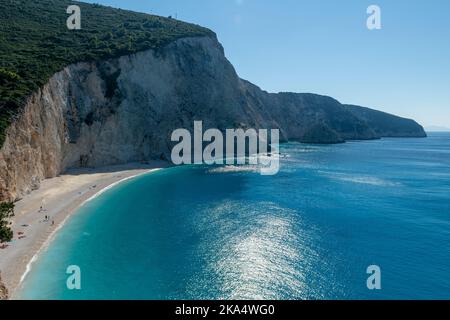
<point x="59" y="198"/>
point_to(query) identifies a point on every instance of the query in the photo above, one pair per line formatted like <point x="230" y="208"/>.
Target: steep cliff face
<point x="125" y="109"/>
<point x="387" y="125"/>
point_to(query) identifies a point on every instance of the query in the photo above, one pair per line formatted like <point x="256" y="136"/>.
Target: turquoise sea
<point x="309" y="232"/>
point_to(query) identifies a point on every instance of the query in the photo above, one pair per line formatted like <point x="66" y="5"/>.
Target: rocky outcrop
<point x="387" y="125"/>
<point x="125" y="109"/>
<point x="3" y="290"/>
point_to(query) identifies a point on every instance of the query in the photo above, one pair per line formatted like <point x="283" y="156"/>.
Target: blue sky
<point x="324" y="47"/>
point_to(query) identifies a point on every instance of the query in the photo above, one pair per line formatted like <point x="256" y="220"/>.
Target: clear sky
<point x="324" y="47"/>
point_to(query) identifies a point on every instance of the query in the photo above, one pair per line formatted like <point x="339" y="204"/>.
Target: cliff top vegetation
<point x="35" y="43"/>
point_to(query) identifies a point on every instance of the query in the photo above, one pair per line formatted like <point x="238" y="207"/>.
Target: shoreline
<point x="59" y="198"/>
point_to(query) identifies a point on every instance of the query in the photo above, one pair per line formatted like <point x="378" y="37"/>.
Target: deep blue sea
<point x="309" y="232"/>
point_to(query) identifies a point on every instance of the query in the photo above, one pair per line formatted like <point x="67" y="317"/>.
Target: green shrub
<point x="6" y="212"/>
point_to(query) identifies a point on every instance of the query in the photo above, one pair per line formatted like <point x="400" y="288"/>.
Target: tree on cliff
<point x="6" y="212"/>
